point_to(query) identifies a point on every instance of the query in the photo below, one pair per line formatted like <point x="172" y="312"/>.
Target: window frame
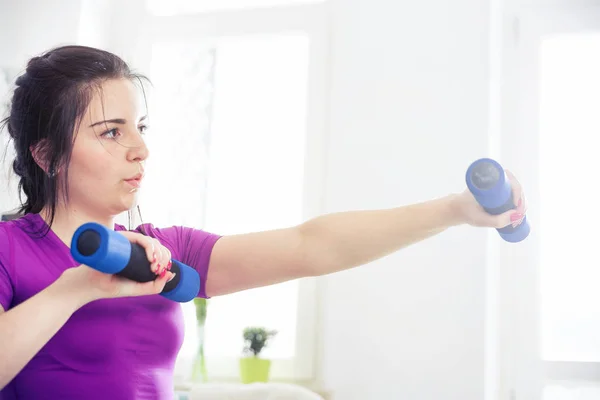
<point x="131" y="35"/>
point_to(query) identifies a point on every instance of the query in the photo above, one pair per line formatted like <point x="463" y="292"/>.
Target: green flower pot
<point x="254" y="369"/>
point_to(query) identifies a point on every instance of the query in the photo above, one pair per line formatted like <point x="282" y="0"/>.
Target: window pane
<point x="179" y="121"/>
<point x="231" y="115"/>
<point x="569" y="141"/>
<point x="174" y="7"/>
<point x="256" y="174"/>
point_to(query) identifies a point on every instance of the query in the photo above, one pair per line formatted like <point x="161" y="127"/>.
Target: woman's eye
<point x="111" y="134"/>
<point x="143" y="128"/>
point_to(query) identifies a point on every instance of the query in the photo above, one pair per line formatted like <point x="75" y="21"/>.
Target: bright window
<point x="569" y="142"/>
<point x="257" y="174"/>
<point x="236" y="137"/>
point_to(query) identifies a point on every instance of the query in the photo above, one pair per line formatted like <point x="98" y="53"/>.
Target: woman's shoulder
<point x="9" y="232"/>
<point x="10" y="237"/>
<point x="22" y="237"/>
<point x="19" y="227"/>
<point x="4" y="240"/>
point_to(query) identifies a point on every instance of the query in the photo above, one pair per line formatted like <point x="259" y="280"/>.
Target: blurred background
<point x="264" y="113"/>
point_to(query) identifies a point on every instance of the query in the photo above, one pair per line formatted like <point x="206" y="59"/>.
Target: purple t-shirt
<point x="118" y="349"/>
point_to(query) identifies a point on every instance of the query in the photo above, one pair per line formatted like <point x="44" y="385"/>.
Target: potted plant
<point x="253" y="368"/>
<point x="199" y="369"/>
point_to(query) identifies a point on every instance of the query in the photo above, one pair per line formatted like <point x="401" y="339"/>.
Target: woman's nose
<point x="138" y="151"/>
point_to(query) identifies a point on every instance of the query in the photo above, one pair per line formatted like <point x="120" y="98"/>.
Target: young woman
<point x="70" y="332"/>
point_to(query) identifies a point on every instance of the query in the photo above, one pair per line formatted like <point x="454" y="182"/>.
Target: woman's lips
<point x="136" y="181"/>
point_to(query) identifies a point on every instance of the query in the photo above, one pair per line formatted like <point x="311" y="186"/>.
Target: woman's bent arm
<point x="25" y="329"/>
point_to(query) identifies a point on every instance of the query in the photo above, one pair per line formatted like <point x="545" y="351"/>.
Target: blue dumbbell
<point x="490" y="186"/>
<point x="110" y="252"/>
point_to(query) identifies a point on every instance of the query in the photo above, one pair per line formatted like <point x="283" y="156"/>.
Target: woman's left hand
<point x="158" y="255"/>
<point x="470" y="212"/>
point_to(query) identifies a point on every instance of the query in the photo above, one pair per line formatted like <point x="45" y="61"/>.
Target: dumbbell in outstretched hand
<point x="487" y="181"/>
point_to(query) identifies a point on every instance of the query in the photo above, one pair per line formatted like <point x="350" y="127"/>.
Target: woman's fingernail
<point x="169" y="266"/>
<point x="163" y="272"/>
<point x="171" y="278"/>
<point x="515" y="217"/>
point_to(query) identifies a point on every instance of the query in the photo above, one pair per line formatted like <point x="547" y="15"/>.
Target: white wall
<point x="409" y="113"/>
<point x="33" y="26"/>
<point x="27" y="28"/>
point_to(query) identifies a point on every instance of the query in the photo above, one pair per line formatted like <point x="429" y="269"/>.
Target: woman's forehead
<point x="115" y="99"/>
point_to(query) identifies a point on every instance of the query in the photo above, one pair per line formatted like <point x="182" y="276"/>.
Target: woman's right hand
<point x="90" y="284"/>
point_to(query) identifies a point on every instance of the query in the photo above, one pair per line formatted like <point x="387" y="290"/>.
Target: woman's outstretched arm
<point x="340" y="241"/>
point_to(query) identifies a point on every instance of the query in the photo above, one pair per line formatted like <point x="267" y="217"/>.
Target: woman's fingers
<point x="517" y="216"/>
<point x="158" y="255"/>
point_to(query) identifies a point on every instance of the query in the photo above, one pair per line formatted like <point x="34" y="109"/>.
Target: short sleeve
<point x="190" y="246"/>
<point x="6" y="286"/>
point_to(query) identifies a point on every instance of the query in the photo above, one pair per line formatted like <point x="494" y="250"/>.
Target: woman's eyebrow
<point x="120" y="121"/>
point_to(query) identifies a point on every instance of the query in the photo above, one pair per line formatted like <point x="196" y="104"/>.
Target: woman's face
<point x="106" y="167"/>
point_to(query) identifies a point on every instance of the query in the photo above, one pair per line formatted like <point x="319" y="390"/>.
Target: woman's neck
<point x="68" y="219"/>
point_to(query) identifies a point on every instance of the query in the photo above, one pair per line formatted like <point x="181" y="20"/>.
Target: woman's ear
<point x="39" y="152"/>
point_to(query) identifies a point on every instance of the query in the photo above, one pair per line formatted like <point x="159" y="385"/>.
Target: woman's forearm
<point x="26" y="328"/>
<point x="343" y="240"/>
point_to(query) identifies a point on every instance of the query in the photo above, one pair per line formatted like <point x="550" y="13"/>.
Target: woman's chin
<point x="128" y="201"/>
